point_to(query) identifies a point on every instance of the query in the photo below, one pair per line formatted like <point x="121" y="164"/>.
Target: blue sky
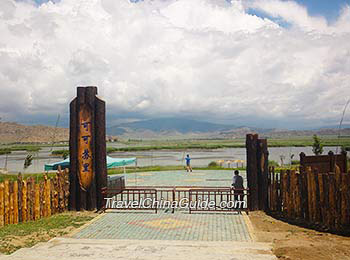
<point x="327" y="8"/>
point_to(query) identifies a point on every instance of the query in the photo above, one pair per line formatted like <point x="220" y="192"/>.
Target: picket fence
<point x="321" y="200"/>
<point x="26" y="200"/>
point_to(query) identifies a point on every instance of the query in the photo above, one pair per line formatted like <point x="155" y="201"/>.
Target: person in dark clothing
<point x="237" y="186"/>
<point x="188" y="163"/>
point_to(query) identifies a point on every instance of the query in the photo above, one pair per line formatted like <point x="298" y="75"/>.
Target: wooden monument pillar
<point x="87" y="149"/>
<point x="257" y="171"/>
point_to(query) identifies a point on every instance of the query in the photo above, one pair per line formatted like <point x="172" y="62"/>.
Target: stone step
<point x="91" y="249"/>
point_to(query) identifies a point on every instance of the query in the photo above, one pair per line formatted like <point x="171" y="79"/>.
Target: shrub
<point x="295" y="162"/>
<point x="273" y="163"/>
<point x="213" y="164"/>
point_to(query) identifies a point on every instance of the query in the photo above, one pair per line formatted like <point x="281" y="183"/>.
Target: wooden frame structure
<point x="87" y="147"/>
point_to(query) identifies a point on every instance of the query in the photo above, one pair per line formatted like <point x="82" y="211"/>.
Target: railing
<point x="221" y="199"/>
<point x="190" y="198"/>
<point x="127" y="197"/>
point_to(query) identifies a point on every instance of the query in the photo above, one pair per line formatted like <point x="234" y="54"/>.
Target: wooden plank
<point x="309" y="193"/>
<point x="15" y="202"/>
<point x="262" y="171"/>
<point x="24" y="201"/>
<point x="298" y="195"/>
<point x="7" y="201"/>
<point x="326" y="217"/>
<point x="30" y="199"/>
<point x="48" y="196"/>
<point x="42" y="200"/>
<point x="344" y="190"/>
<point x="19" y="183"/>
<point x="11" y="212"/>
<point x="66" y="189"/>
<point x="37" y="202"/>
<point x="2" y="204"/>
<point x="293" y="193"/>
<point x="332" y="201"/>
<point x="74" y="198"/>
<point x="316" y="197"/>
<point x="100" y="150"/>
<point x="322" y="198"/>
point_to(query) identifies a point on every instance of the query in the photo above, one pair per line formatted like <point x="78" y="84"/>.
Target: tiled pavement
<point x="167" y="226"/>
<point x="220" y="178"/>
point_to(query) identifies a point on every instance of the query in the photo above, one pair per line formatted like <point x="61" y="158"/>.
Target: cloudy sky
<point x="267" y="63"/>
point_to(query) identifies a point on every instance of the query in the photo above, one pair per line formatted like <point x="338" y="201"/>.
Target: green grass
<point x="5" y="151"/>
<point x="222" y="143"/>
<point x="165" y="168"/>
<point x="37" y="176"/>
<point x="28" y="148"/>
<point x="32" y="232"/>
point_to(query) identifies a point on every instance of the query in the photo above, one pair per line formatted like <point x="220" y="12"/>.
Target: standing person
<point x="237" y="186"/>
<point x="188" y="163"/>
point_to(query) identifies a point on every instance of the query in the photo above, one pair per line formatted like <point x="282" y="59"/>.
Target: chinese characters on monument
<point x="84" y="150"/>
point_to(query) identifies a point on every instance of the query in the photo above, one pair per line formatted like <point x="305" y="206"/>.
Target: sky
<point x="262" y="63"/>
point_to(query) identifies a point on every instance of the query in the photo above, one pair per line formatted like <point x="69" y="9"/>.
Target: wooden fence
<point x="321" y="200"/>
<point x="26" y="200"/>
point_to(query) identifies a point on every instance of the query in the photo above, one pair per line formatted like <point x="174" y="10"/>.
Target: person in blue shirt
<point x="188" y="163"/>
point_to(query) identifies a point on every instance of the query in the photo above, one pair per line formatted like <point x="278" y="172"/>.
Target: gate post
<point x="257" y="172"/>
<point x="87" y="148"/>
<point x="252" y="171"/>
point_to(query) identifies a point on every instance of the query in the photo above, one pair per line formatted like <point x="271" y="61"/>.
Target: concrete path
<point x="96" y="249"/>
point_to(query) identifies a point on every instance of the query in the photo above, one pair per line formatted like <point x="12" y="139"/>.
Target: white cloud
<point x="199" y="57"/>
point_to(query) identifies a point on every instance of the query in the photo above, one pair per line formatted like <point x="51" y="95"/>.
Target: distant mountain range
<point x="169" y="124"/>
<point x="187" y="128"/>
<point x="163" y="128"/>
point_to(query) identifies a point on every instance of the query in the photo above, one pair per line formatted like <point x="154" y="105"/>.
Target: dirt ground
<point x="293" y="242"/>
<point x="14" y="237"/>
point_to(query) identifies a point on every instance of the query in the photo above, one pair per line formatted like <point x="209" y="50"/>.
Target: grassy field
<point x="16" y="236"/>
<point x="28" y="148"/>
<point x="225" y="143"/>
<point x="164" y="168"/>
<point x="146" y="145"/>
<point x="37" y="176"/>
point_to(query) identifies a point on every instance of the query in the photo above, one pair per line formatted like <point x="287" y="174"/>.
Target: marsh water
<point x="15" y="160"/>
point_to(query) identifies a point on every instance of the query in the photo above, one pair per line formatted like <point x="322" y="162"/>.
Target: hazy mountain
<point x="179" y="125"/>
<point x="11" y="132"/>
<point x="187" y="128"/>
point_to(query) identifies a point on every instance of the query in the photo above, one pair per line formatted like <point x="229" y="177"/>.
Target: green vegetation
<point x="16" y="236"/>
<point x="180" y="146"/>
<point x="28" y="148"/>
<point x="213" y="164"/>
<point x="5" y="151"/>
<point x="37" y="176"/>
<point x="317" y="147"/>
<point x="273" y="163"/>
<point x="164" y="168"/>
<point x="295" y="162"/>
<point x="209" y="144"/>
<point x="64" y="153"/>
<point x="28" y="161"/>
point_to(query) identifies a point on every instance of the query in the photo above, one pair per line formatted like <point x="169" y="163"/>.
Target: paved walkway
<point x="97" y="249"/>
<point x="167" y="226"/>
